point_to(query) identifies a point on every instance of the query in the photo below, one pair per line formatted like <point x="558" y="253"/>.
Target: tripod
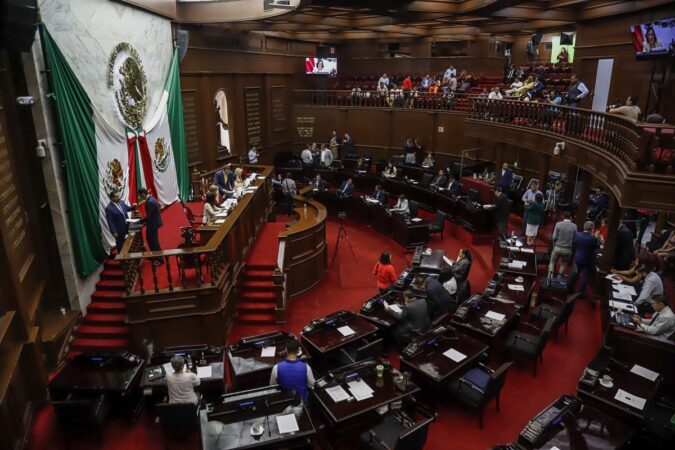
<point x="342" y="234"/>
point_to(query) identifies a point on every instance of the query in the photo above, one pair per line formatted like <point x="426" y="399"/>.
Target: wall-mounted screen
<point x="654" y="38"/>
<point x="321" y="66"/>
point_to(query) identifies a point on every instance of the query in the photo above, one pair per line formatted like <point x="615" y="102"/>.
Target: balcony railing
<point x="640" y="146"/>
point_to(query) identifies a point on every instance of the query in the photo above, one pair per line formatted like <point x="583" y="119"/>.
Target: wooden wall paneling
<point x="192" y="133"/>
<point x="397" y="66"/>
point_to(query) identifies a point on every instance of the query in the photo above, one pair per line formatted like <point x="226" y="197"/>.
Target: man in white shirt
<point x="253" y="155"/>
<point x="181" y="384"/>
<point x="326" y="156"/>
<point x="306" y="156"/>
<point x="452" y="84"/>
<point x="576" y="92"/>
<point x="651" y="286"/>
<point x="384" y="79"/>
<point x="495" y="94"/>
<point x="662" y="323"/>
<point x="450" y="72"/>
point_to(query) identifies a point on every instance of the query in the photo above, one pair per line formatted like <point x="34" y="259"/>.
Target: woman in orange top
<point x="385" y="272"/>
<point x="601" y="233"/>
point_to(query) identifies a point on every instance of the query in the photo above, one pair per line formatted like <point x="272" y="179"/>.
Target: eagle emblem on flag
<point x="162" y="152"/>
<point x="114" y="181"/>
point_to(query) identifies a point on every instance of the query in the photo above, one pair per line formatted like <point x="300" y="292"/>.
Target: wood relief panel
<point x="191" y="129"/>
<point x="253" y="103"/>
<point x="279" y="108"/>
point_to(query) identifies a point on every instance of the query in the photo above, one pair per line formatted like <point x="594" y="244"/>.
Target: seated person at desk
<point x="211" y="208"/>
<point x="224" y="179"/>
<point x="385" y="272"/>
<point x="326" y="156"/>
<point x="440" y="300"/>
<point x="238" y="180"/>
<point x="662" y="323"/>
<point x="440" y="181"/>
<point x="414" y="316"/>
<point x="389" y="171"/>
<point x="346" y="189"/>
<point x="401" y="205"/>
<point x="181" y="384"/>
<point x="361" y="165"/>
<point x="428" y="162"/>
<point x="651" y="286"/>
<point x="319" y="184"/>
<point x="453" y="185"/>
<point x="379" y="194"/>
<point x="291" y="374"/>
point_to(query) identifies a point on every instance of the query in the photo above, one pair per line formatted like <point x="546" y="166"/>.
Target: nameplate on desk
<point x="630" y="399"/>
<point x="205" y="372"/>
<point x="624" y="289"/>
<point x="268" y="352"/>
<point x="644" y="372"/>
<point x="360" y="390"/>
<point x="287" y="424"/>
<point x="337" y="393"/>
<point x="454" y="355"/>
<point x="516" y="287"/>
<point x="416" y="219"/>
<point x="495" y="316"/>
<point x="346" y="330"/>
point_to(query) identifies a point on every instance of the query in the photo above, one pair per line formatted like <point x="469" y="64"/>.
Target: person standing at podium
<point x="181" y="384"/>
<point x="116" y="214"/>
<point x="291" y="374"/>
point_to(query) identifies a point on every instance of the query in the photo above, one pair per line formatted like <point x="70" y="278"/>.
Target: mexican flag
<point x="102" y="158"/>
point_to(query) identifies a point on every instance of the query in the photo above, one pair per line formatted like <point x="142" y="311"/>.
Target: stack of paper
<point x="516" y="287"/>
<point x="287" y="424"/>
<point x="630" y="399"/>
<point x="416" y="219"/>
<point x="495" y="316"/>
<point x="623" y="306"/>
<point x="527" y="250"/>
<point x="337" y="393"/>
<point x="624" y="289"/>
<point x="454" y="355"/>
<point x="622" y="296"/>
<point x="346" y="330"/>
<point x="204" y="372"/>
<point x="644" y="372"/>
<point x="268" y="352"/>
<point x="360" y="390"/>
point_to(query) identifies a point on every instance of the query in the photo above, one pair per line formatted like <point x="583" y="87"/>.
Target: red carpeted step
<point x="256" y="307"/>
<point x="112" y="274"/>
<point x="258" y="274"/>
<point x="110" y="285"/>
<point x="106" y="296"/>
<point x="256" y="285"/>
<point x="257" y="296"/>
<point x="103" y="331"/>
<point x="112" y="307"/>
<point x="261" y="267"/>
<point x="105" y="319"/>
<point x="256" y="318"/>
<point x="88" y="345"/>
<point x="112" y="264"/>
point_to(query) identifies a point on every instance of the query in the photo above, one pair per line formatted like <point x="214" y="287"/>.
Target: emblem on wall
<point x="114" y="181"/>
<point x="127" y="81"/>
<point x="162" y="152"/>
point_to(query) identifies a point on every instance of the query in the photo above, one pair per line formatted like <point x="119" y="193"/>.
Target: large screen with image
<point x="321" y="66"/>
<point x="653" y="38"/>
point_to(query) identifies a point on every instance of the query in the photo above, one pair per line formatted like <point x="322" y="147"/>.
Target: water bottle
<point x="305" y="209"/>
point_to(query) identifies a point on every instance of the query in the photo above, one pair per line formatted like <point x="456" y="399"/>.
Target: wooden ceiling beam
<point x="517" y="12"/>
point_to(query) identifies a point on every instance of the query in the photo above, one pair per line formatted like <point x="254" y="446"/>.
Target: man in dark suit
<point x="224" y="179"/>
<point x="440" y="300"/>
<point x="319" y="184"/>
<point x="597" y="202"/>
<point x="152" y="220"/>
<point x="453" y="185"/>
<point x="116" y="214"/>
<point x="346" y="189"/>
<point x="505" y="178"/>
<point x="440" y="181"/>
<point x="501" y="212"/>
<point x="625" y="249"/>
<point x="380" y="195"/>
<point x="585" y="248"/>
<point x="348" y="145"/>
<point x="413" y="316"/>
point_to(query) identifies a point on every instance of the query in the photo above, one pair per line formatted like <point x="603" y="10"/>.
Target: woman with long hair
<point x="385" y="272"/>
<point x="211" y="208"/>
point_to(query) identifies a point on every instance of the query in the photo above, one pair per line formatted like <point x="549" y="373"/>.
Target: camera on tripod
<point x="341" y="215"/>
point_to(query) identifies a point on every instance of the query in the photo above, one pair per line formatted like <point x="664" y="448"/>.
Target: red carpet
<point x="347" y="283"/>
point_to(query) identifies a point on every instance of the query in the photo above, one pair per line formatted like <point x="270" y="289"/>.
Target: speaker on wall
<point x="18" y="21"/>
<point x="536" y="38"/>
<point x="182" y="38"/>
<point x="566" y="38"/>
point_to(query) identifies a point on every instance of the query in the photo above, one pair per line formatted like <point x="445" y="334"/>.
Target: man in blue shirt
<point x="291" y="374"/>
<point x="585" y="248"/>
<point x="346" y="189"/>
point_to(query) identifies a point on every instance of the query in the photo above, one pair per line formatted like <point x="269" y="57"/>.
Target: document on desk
<point x="168" y="368"/>
<point x="644" y="372"/>
<point x="287" y="424"/>
<point x="346" y="330"/>
<point x="337" y="393"/>
<point x="448" y="261"/>
<point x="527" y="250"/>
<point x="416" y="219"/>
<point x="623" y="306"/>
<point x="630" y="399"/>
<point x="622" y="296"/>
<point x="454" y="355"/>
<point x="516" y="287"/>
<point x="205" y="372"/>
<point x="360" y="390"/>
<point x="614" y="278"/>
<point x="624" y="289"/>
<point x="268" y="352"/>
<point x="495" y="316"/>
<point x="219" y="221"/>
<point x="394" y="307"/>
<point x="517" y="264"/>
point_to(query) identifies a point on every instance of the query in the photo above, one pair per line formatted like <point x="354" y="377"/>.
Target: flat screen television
<point x="321" y="66"/>
<point x="654" y="38"/>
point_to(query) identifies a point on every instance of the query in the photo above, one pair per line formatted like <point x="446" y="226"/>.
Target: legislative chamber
<point x="346" y="224"/>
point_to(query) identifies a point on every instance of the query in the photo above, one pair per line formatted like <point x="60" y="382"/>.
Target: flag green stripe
<point x="177" y="127"/>
<point x="78" y="135"/>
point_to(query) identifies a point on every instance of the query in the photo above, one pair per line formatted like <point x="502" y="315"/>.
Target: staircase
<point x="103" y="327"/>
<point x="257" y="295"/>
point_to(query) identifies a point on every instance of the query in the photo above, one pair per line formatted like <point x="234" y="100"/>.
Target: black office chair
<point x="477" y="387"/>
<point x="81" y="416"/>
<point x="530" y="345"/>
<point x="178" y="420"/>
<point x="559" y="311"/>
<point x="426" y="179"/>
<point x="439" y="224"/>
<point x="413" y="206"/>
<point x="367" y="350"/>
<point x="392" y="434"/>
<point x="463" y="291"/>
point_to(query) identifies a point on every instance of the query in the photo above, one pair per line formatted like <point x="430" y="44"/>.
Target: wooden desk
<point x="485" y="190"/>
<point x="410" y="232"/>
<point x="520" y="298"/>
<point x="433" y="262"/>
<point x="373" y="310"/>
<point x="227" y="425"/>
<point x="321" y="336"/>
<point x="385" y="392"/>
<point x="432" y="367"/>
<point x="517" y="254"/>
<point x="488" y="330"/>
<point x="248" y="369"/>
